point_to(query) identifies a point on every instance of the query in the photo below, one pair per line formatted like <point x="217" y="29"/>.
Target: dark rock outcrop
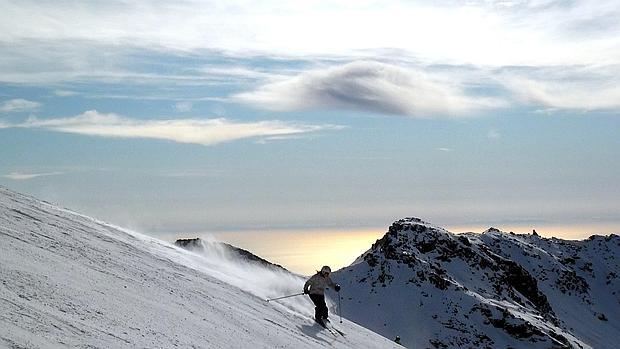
<point x="196" y="244"/>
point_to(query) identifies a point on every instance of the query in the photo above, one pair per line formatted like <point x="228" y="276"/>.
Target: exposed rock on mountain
<point x="437" y="289"/>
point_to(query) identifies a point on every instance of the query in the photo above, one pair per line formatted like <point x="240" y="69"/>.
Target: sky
<point x="185" y="117"/>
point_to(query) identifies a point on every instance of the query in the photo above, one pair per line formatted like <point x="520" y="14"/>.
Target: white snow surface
<point x="68" y="280"/>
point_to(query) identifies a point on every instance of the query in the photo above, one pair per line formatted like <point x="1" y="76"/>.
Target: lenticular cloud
<point x="370" y="86"/>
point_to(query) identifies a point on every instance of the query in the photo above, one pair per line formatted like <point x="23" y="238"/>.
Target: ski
<point x="339" y="332"/>
<point x="332" y="332"/>
<point x="331" y="329"/>
<point x="335" y="330"/>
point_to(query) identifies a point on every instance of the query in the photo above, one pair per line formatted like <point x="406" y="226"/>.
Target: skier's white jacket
<point x="317" y="284"/>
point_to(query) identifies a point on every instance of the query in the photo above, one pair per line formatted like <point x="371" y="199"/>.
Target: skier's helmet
<point x="326" y="270"/>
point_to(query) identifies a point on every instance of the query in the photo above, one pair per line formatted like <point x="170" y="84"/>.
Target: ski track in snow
<point x="68" y="280"/>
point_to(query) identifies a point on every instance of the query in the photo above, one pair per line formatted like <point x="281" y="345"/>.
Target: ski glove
<point x="337" y="288"/>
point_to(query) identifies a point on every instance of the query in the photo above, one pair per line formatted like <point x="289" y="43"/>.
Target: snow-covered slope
<point x="70" y="281"/>
<point x="490" y="290"/>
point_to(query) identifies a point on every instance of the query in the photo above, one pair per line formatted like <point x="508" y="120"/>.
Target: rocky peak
<point x="411" y="225"/>
<point x="489" y="290"/>
<point x="190" y="244"/>
<point x="413" y="236"/>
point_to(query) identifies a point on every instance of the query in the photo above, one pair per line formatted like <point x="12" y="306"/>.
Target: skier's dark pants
<point x="320" y="311"/>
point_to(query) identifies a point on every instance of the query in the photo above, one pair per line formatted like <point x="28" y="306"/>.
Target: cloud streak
<point x="494" y="134"/>
<point x="183" y="107"/>
<point x="18" y="176"/>
<point x="572" y="92"/>
<point x="195" y="131"/>
<point x="18" y="105"/>
<point x="373" y="87"/>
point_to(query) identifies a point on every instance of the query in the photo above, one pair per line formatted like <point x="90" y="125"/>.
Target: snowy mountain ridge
<point x="67" y="280"/>
<point x="437" y="289"/>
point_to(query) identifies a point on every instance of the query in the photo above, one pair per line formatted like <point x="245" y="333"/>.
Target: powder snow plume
<point x="219" y="260"/>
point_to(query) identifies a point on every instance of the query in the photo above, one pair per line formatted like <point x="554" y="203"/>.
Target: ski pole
<point x="339" y="307"/>
<point x="291" y="295"/>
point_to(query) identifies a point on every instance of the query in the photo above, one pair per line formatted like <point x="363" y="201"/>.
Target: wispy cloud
<point x="196" y="131"/>
<point x="183" y="107"/>
<point x="65" y="93"/>
<point x="19" y="176"/>
<point x="239" y="73"/>
<point x="53" y="62"/>
<point x="578" y="92"/>
<point x="370" y="86"/>
<point x="494" y="134"/>
<point x="445" y="150"/>
<point x="18" y="105"/>
<point x="472" y="32"/>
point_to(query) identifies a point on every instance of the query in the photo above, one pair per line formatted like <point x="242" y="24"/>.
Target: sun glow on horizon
<point x="304" y="251"/>
<point x="567" y="232"/>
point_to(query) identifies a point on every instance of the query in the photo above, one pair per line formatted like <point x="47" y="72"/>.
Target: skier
<point x="315" y="288"/>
